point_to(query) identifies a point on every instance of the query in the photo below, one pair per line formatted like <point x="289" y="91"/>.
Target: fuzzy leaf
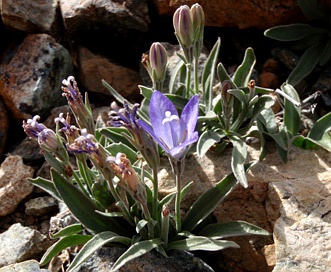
<point x="83" y="207"/>
<point x="201" y="243"/>
<point x="122" y="148"/>
<point x="321" y="126"/>
<point x="244" y="71"/>
<point x="69" y="230"/>
<point x="222" y="73"/>
<point x="207" y="140"/>
<point x="69" y="241"/>
<point x="95" y="243"/>
<point x="46" y="185"/>
<point x="307" y="64"/>
<point x="239" y="155"/>
<point x="208" y="75"/>
<point x="136" y="251"/>
<point x="292" y="113"/>
<point x="117" y="135"/>
<point x="231" y="229"/>
<point x="292" y="32"/>
<point x="208" y="201"/>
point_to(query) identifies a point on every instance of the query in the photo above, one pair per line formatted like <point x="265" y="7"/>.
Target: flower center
<point x="169" y="117"/>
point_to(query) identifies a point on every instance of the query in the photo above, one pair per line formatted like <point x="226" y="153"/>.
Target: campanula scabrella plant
<point x="110" y="184"/>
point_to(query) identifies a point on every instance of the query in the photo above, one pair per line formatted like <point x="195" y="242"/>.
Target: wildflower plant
<point x="107" y="174"/>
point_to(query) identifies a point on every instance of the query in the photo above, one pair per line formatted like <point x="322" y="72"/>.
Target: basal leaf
<point x="95" y="243"/>
<point x="239" y="155"/>
<point x="306" y="65"/>
<point x="83" y="207"/>
<point x="46" y="185"/>
<point x="135" y="251"/>
<point x="69" y="241"/>
<point x="292" y="113"/>
<point x="292" y="32"/>
<point x="231" y="229"/>
<point x="69" y="230"/>
<point x="321" y="126"/>
<point x="200" y="243"/>
<point x="208" y="201"/>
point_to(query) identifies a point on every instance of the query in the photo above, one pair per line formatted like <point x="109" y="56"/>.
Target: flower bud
<point x="183" y="25"/>
<point x="198" y="19"/>
<point x="158" y="60"/>
<point x="48" y="140"/>
<point x="226" y="97"/>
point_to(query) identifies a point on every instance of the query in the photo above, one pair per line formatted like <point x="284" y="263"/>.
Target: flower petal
<point x="178" y="151"/>
<point x="150" y="131"/>
<point x="159" y="104"/>
<point x="189" y="116"/>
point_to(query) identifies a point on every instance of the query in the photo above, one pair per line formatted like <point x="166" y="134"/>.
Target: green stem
<point x="158" y="85"/>
<point x="196" y="75"/>
<point x="177" y="204"/>
<point x="188" y="80"/>
<point x="118" y="199"/>
<point x="177" y="169"/>
<point x="155" y="195"/>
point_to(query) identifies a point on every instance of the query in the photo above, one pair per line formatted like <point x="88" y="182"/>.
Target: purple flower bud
<point x="48" y="140"/>
<point x="226" y="97"/>
<point x="82" y="112"/>
<point x="198" y="18"/>
<point x="85" y="143"/>
<point x="32" y="128"/>
<point x="183" y="25"/>
<point x="158" y="61"/>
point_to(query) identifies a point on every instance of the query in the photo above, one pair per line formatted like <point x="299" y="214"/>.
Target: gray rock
<point x="27" y="266"/>
<point x="14" y="184"/>
<point x="20" y="243"/>
<point x="41" y="205"/>
<point x="31" y="81"/>
<point x="78" y="14"/>
<point x="38" y="15"/>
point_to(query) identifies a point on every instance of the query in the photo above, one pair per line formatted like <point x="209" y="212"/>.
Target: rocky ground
<point x="45" y="43"/>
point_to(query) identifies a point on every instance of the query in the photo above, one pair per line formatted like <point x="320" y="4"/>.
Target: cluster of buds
<point x="47" y="139"/>
<point x="156" y="63"/>
<point x="129" y="181"/>
<point x="81" y="110"/>
<point x="189" y="29"/>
